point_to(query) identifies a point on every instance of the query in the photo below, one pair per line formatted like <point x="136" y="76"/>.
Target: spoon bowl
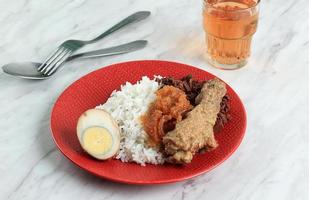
<point x="26" y="70"/>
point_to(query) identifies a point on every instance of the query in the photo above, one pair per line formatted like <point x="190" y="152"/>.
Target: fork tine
<point x="51" y="64"/>
<point x="60" y="59"/>
<point x="57" y="65"/>
<point x="51" y="57"/>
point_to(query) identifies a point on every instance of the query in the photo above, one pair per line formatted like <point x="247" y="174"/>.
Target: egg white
<point x="99" y="118"/>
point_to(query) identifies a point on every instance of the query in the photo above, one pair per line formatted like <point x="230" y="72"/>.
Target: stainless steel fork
<point x="67" y="48"/>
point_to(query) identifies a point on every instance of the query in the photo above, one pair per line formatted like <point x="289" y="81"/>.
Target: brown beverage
<point x="229" y="27"/>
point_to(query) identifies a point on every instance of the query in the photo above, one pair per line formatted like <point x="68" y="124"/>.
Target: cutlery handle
<point x="138" y="16"/>
<point x="124" y="48"/>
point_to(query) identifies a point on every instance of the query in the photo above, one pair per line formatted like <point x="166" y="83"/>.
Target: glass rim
<point x="240" y="9"/>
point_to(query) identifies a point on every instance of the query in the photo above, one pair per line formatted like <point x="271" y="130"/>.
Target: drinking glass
<point x="229" y="26"/>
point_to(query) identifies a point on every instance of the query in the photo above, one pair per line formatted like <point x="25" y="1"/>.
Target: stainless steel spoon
<point x="29" y="70"/>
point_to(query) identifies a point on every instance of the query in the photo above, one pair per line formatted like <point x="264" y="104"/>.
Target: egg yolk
<point x="97" y="140"/>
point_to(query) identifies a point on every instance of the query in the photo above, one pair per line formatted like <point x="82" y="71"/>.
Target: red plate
<point x="94" y="89"/>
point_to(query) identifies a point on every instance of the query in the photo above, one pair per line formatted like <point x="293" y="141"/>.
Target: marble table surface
<point x="272" y="161"/>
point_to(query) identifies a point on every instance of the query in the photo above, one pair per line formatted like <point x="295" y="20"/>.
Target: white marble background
<point x="271" y="163"/>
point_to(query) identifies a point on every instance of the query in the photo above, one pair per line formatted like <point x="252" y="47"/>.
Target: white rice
<point x="127" y="106"/>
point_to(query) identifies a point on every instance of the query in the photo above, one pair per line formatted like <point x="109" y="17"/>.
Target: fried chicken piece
<point x="196" y="131"/>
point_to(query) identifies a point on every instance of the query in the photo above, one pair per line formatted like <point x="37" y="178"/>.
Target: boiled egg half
<point x="98" y="134"/>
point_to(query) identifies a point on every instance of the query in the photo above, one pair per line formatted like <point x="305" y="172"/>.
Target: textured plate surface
<point x="94" y="89"/>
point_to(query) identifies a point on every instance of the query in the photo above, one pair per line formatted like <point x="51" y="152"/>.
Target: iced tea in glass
<point x="229" y="26"/>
